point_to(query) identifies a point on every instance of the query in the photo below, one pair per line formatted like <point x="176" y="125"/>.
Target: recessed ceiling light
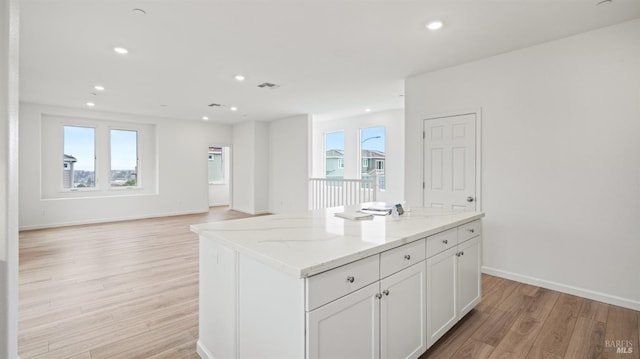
<point x="239" y="78"/>
<point x="233" y="108"/>
<point x="90" y="104"/>
<point x="121" y="50"/>
<point x="205" y="118"/>
<point x="99" y="88"/>
<point x="367" y="110"/>
<point x="435" y="25"/>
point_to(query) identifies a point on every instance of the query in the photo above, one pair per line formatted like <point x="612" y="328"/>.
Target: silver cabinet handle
<point x="470" y="199"/>
<point x="471" y="230"/>
<point x="445" y="241"/>
<point x="378" y="295"/>
<point x="457" y="254"/>
<point x="385" y="292"/>
<point x="462" y="253"/>
<point x="407" y="256"/>
<point x="350" y="279"/>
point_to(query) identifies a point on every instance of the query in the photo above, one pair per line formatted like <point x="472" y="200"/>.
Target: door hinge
<point x="422" y="185"/>
<point x="423" y="135"/>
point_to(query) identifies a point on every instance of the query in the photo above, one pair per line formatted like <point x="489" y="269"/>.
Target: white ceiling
<point x="332" y="58"/>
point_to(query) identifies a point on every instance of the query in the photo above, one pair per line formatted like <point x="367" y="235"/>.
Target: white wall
<point x="561" y="158"/>
<point x="219" y="193"/>
<point x="393" y="122"/>
<point x="9" y="28"/>
<point x="250" y="167"/>
<point x="181" y="177"/>
<point x="289" y="164"/>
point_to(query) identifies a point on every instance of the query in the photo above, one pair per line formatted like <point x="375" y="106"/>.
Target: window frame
<point x="222" y="166"/>
<point x="324" y="152"/>
<point x="375" y="161"/>
<point x="51" y="177"/>
<point x="96" y="185"/>
<point x="138" y="164"/>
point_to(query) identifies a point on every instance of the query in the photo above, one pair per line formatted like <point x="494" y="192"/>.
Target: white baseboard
<point x="251" y="212"/>
<point x="218" y="204"/>
<point x="202" y="351"/>
<point x="107" y="220"/>
<point x="580" y="292"/>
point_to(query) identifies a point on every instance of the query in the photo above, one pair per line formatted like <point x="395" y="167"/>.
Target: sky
<point x="79" y="142"/>
<point x="335" y="140"/>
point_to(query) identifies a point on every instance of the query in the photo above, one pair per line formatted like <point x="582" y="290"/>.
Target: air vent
<point x="268" y="85"/>
<point x="214" y="105"/>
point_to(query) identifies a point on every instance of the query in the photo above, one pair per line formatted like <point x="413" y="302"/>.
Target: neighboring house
<point x="67" y="165"/>
<point x="373" y="162"/>
<point x="334" y="167"/>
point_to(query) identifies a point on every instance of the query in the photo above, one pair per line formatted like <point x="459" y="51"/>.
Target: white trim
<point x="108" y="220"/>
<point x="251" y="212"/>
<point x="203" y="351"/>
<point x="478" y="116"/>
<point x="138" y="166"/>
<point x="564" y="288"/>
<point x="10" y="282"/>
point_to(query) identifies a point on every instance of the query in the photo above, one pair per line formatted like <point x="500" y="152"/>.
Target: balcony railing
<point x="332" y="192"/>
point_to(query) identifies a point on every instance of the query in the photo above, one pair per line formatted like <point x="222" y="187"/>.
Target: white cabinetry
<point x="453" y="277"/>
<point x="402" y="313"/>
<point x="273" y="298"/>
<point x="385" y="319"/>
<point x="346" y="328"/>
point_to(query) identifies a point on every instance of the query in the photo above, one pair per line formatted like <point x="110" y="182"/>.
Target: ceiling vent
<point x="214" y="105"/>
<point x="268" y="85"/>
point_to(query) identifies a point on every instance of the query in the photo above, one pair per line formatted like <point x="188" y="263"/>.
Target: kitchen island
<point x="313" y="285"/>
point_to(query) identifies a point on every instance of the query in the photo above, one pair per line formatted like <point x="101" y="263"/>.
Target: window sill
<point x="123" y="188"/>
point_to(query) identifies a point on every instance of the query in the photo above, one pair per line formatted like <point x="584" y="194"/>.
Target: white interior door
<point x="450" y="162"/>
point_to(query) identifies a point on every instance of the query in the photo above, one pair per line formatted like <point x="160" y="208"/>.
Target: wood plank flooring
<point x="130" y="290"/>
<point x="115" y="290"/>
<point x="516" y="320"/>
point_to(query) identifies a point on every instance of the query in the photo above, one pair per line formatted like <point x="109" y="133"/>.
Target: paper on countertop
<point x="354" y="215"/>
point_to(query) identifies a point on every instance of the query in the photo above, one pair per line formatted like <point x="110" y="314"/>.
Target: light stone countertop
<point x="307" y="243"/>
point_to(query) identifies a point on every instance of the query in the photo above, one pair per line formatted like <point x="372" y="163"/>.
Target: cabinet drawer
<point x="441" y="241"/>
<point x="468" y="231"/>
<point x="402" y="257"/>
<point x="335" y="283"/>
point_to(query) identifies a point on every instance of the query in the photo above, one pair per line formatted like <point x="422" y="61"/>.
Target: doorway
<point x="451" y="162"/>
<point x="219" y="175"/>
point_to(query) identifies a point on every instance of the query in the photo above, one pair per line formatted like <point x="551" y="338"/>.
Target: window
<point x="124" y="158"/>
<point x="216" y="165"/>
<point x="372" y="153"/>
<point x="334" y="154"/>
<point x="100" y="158"/>
<point x="79" y="157"/>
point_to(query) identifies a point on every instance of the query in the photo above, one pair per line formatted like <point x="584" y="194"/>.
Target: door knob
<point x="470" y="199"/>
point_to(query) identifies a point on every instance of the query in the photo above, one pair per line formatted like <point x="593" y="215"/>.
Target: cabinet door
<point x="441" y="294"/>
<point x="402" y="313"/>
<point x="469" y="281"/>
<point x="346" y="328"/>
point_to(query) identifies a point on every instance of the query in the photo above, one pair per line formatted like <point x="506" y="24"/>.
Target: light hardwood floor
<point x="130" y="290"/>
